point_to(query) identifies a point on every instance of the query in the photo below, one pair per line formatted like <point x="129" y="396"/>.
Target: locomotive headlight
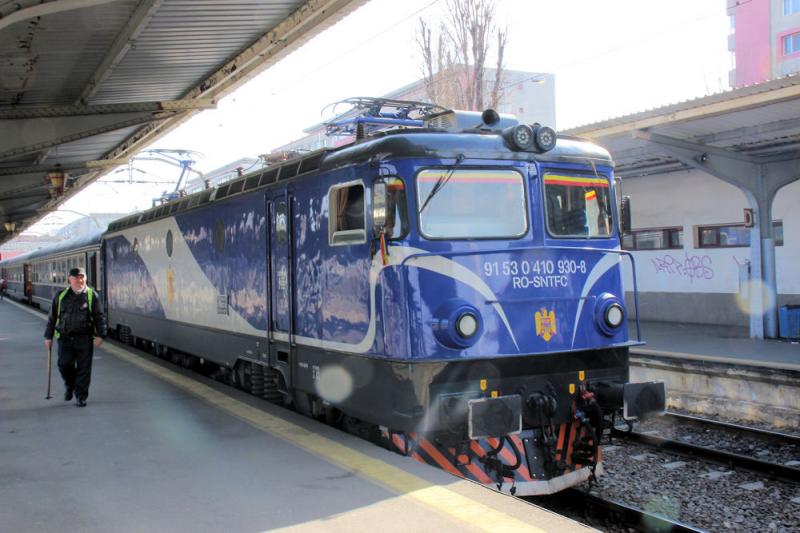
<point x="520" y="137"/>
<point x="609" y="314"/>
<point x="467" y="325"/>
<point x="457" y="324"/>
<point x="545" y="138"/>
<point x="614" y="315"/>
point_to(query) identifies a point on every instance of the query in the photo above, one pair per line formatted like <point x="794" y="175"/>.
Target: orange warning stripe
<point x="476" y="472"/>
<point x="562" y="430"/>
<point x="399" y="443"/>
<point x="418" y="457"/>
<point x="510" y="459"/>
<point x="571" y="438"/>
<point x="440" y="459"/>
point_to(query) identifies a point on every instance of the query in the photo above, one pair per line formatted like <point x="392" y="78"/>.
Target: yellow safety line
<point x="439" y="498"/>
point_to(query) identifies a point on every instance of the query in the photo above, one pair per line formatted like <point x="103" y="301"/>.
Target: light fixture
<point x="545" y="138"/>
<point x="10" y="226"/>
<point x="57" y="179"/>
<point x="614" y="315"/>
<point x="520" y="137"/>
<point x="609" y="314"/>
<point x="466" y="325"/>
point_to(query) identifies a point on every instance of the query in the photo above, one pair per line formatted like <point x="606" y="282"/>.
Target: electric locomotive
<point x="451" y="288"/>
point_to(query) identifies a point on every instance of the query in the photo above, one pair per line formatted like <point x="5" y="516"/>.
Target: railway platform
<point x="719" y="344"/>
<point x="720" y="371"/>
<point x="162" y="449"/>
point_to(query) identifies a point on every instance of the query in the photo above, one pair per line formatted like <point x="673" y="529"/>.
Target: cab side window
<point x="346" y="216"/>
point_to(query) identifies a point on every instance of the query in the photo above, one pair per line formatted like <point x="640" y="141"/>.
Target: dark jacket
<point x="75" y="318"/>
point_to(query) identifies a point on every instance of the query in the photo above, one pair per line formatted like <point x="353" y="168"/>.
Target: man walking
<point x="77" y="321"/>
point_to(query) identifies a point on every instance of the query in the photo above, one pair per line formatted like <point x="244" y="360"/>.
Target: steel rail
<point x="735" y="460"/>
<point x="588" y="505"/>
<point x="774" y="436"/>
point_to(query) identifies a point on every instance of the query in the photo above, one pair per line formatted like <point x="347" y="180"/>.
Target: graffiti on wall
<point x="691" y="266"/>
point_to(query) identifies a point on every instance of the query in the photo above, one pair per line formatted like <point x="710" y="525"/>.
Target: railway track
<point x="718" y="456"/>
<point x="608" y="514"/>
<point x="776" y="437"/>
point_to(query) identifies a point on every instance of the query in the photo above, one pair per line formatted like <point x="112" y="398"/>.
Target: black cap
<point x="78" y="271"/>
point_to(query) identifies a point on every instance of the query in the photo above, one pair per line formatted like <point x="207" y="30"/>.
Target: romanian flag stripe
<point x="575" y="182"/>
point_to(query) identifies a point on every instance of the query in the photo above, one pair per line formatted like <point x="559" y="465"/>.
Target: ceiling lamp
<point x="57" y="179"/>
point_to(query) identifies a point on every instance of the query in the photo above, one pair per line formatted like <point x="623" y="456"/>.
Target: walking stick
<point x="49" y="369"/>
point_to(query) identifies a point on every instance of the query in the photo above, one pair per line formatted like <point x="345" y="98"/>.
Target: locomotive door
<point x="281" y="283"/>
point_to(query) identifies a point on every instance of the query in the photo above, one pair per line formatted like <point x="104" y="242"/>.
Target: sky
<point x="609" y="58"/>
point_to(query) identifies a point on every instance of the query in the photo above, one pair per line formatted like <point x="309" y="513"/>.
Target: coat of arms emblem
<point x="545" y="324"/>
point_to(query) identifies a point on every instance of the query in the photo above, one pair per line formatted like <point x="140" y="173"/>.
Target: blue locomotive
<point x="451" y="288"/>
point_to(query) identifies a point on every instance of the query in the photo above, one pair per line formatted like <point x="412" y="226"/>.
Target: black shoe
<point x="67" y="395"/>
<point x="81" y="402"/>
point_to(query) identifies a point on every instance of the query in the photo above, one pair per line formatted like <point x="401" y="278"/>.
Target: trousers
<point x="75" y="363"/>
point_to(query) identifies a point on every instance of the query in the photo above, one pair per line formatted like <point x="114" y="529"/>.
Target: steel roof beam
<point x="16" y="113"/>
<point x="124" y="42"/>
<point x="276" y="44"/>
<point x="32" y="130"/>
<point x="41" y="195"/>
<point x="48" y="8"/>
<point x="34" y="135"/>
<point x="85" y="165"/>
<point x="778" y="126"/>
<point x="695" y="113"/>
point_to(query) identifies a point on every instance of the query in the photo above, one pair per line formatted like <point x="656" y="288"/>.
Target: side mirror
<point x="378" y="207"/>
<point x="625" y="215"/>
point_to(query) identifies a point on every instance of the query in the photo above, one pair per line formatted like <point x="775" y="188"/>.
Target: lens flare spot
<point x="335" y="384"/>
<point x="664" y="506"/>
<point x="750" y="288"/>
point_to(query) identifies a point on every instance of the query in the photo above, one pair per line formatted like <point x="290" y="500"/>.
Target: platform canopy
<point x="748" y="137"/>
<point x="85" y="84"/>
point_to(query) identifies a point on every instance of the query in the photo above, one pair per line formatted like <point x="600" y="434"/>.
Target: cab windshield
<point x="577" y="206"/>
<point x="471" y="204"/>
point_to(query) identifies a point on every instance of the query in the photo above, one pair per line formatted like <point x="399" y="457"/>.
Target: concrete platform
<point x="711" y="370"/>
<point x="716" y="344"/>
<point x="160" y="449"/>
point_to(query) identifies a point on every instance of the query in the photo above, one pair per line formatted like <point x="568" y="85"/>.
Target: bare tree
<point x="454" y="60"/>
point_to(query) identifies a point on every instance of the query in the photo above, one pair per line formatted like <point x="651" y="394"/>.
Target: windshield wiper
<point x="441" y="182"/>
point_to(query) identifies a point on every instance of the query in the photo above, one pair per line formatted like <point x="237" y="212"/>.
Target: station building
<point x="714" y="184"/>
<point x="692" y="248"/>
